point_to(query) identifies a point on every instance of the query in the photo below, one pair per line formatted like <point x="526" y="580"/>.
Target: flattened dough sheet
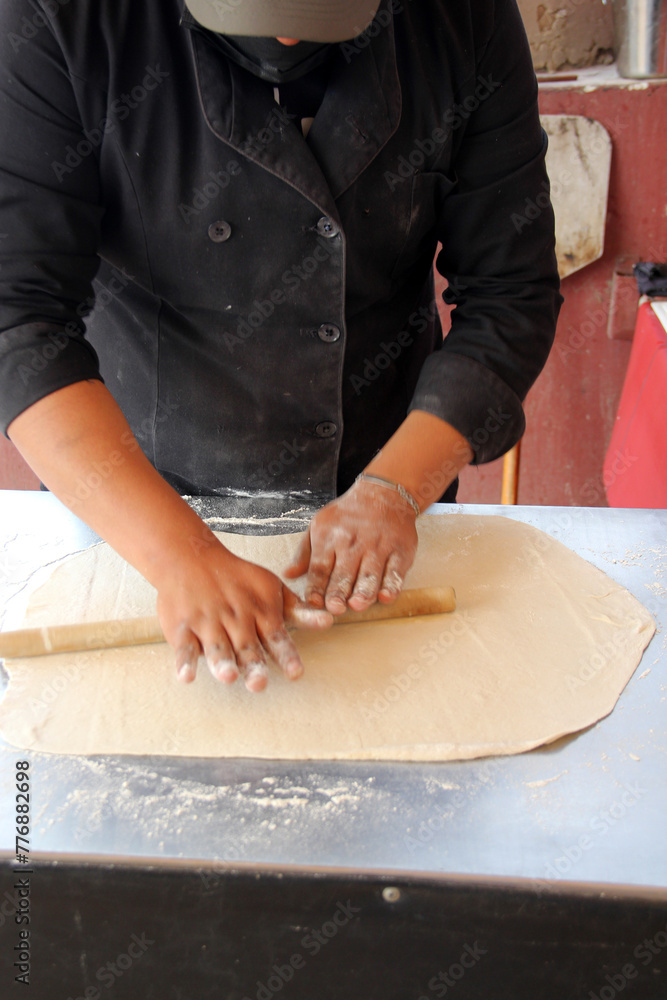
<point x="541" y="644"/>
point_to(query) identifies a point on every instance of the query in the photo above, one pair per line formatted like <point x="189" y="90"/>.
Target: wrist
<point x="180" y="546"/>
<point x="390" y="484"/>
<point x="425" y="455"/>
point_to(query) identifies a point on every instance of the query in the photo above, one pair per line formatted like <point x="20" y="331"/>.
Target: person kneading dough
<point x="218" y="276"/>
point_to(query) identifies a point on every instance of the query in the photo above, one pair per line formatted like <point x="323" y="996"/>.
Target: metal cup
<point x="640" y="29"/>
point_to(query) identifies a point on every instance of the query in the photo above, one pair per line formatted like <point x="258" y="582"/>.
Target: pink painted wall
<point x="572" y="408"/>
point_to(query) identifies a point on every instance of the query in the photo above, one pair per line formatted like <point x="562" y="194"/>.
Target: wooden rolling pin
<point x="135" y="631"/>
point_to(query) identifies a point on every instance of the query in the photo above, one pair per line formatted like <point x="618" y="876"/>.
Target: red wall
<point x="571" y="409"/>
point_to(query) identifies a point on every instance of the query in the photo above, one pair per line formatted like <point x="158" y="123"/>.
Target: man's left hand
<point x="357" y="549"/>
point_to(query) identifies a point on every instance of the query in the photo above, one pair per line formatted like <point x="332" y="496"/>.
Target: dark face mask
<point x="270" y="60"/>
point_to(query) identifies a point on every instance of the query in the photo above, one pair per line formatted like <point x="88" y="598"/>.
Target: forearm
<point x="209" y="601"/>
<point x="425" y="455"/>
<point x="80" y="445"/>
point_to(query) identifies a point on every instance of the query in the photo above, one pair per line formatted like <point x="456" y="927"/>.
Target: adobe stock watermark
<point x="70" y="673"/>
<point x="429" y="653"/>
<point x="597" y="319"/>
<point x="210" y="877"/>
<point x="391" y="350"/>
<point x="599" y="826"/>
<point x="57" y="340"/>
<point x="171" y="745"/>
<point x="223" y="7"/>
<point x="446" y="980"/>
<point x="221" y="179"/>
<point x="9" y="906"/>
<point x="209" y="191"/>
<point x="594" y="488"/>
<point x="290" y="452"/>
<point x="537" y="203"/>
<point x="594" y="320"/>
<point x="30" y="26"/>
<point x="108" y="973"/>
<point x="535" y="206"/>
<point x="597" y="662"/>
<point x="102" y="469"/>
<point x="55" y="686"/>
<point x="533" y="551"/>
<point x="453" y="118"/>
<point x="312" y="943"/>
<point x="437" y="481"/>
<point x="291" y="278"/>
<point x="362" y="39"/>
<point x="119" y="110"/>
<point x="94" y="821"/>
<point x="434" y="825"/>
<point x="645" y="952"/>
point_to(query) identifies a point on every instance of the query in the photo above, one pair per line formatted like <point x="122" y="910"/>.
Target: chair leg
<point x="511" y="465"/>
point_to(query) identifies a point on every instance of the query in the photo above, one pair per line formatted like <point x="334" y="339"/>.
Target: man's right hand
<point x="208" y="599"/>
<point x="235" y="613"/>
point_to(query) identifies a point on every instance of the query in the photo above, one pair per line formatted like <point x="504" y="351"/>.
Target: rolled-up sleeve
<point x="500" y="265"/>
<point x="49" y="216"/>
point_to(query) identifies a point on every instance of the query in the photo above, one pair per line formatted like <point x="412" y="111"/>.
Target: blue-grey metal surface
<point x="589" y="808"/>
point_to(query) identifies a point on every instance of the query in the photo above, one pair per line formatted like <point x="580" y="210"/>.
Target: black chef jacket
<point x="261" y="306"/>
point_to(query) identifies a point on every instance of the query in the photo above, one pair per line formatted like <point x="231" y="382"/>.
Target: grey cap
<point x="306" y="20"/>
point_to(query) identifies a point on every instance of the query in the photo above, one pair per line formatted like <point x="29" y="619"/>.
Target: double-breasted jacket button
<point x="327" y="227"/>
<point x="326" y="429"/>
<point x="219" y="231"/>
<point x="329" y="333"/>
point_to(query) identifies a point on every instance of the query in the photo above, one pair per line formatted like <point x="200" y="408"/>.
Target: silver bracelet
<point x="390" y="484"/>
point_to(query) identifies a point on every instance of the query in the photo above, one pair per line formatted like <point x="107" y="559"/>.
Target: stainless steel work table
<point x="589" y="809"/>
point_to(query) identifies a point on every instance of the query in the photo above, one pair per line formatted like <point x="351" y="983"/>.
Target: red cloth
<point x="635" y="467"/>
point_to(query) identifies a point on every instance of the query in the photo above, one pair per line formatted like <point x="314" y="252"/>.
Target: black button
<point x="326" y="429"/>
<point x="327" y="228"/>
<point x="219" y="231"/>
<point x="328" y="333"/>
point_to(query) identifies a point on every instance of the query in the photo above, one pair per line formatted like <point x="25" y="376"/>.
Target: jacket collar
<point x="360" y="112"/>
